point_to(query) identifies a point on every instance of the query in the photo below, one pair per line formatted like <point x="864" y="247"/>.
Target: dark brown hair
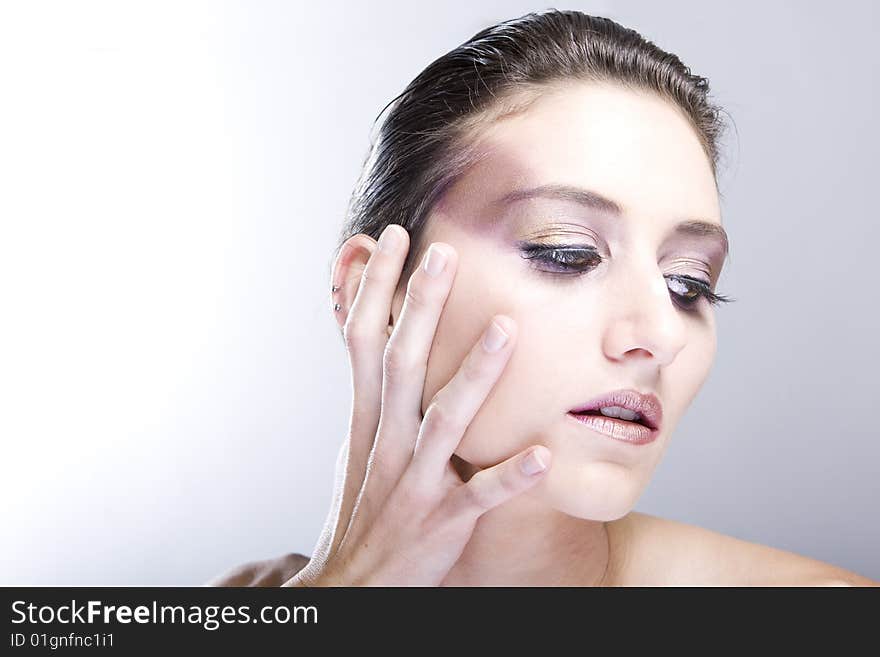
<point x="426" y="141"/>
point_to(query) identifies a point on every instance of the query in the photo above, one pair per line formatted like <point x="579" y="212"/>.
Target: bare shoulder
<point x="265" y="572"/>
<point x="655" y="551"/>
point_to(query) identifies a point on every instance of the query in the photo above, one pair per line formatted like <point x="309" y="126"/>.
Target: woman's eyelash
<point x="702" y="289"/>
<point x="567" y="259"/>
<point x="574" y="260"/>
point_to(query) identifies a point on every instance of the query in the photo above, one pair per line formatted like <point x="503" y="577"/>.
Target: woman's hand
<point x="401" y="514"/>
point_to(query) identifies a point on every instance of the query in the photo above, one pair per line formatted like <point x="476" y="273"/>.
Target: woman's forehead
<point x="632" y="145"/>
<point x="659" y="171"/>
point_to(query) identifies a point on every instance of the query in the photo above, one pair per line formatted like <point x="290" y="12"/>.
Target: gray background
<point x="173" y="387"/>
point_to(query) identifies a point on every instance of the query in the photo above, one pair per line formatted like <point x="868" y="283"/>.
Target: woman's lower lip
<point x="629" y="432"/>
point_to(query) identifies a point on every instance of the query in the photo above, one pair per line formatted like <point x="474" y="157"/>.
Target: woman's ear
<point x="346" y="279"/>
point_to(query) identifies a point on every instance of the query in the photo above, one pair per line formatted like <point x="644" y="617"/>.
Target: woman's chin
<point x="599" y="490"/>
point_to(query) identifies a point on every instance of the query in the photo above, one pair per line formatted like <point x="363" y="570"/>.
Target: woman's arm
<point x="267" y="572"/>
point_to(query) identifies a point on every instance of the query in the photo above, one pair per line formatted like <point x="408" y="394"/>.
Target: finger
<point x="455" y="405"/>
<point x="404" y="367"/>
<point x="494" y="486"/>
<point x="366" y="325"/>
<point x="406" y="354"/>
<point x="365" y="333"/>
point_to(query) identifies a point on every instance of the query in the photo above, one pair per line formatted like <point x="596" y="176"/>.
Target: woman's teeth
<point x="621" y="413"/>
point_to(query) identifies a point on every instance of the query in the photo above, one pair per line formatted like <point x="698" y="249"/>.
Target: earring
<point x="337" y="307"/>
<point x="335" y="288"/>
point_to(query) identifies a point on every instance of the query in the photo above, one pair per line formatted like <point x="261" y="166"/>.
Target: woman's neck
<point x="525" y="543"/>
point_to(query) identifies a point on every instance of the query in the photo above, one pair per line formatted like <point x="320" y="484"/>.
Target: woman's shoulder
<point x="265" y="572"/>
<point x="654" y="551"/>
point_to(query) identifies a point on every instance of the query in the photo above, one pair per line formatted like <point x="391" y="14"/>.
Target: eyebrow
<point x="595" y="201"/>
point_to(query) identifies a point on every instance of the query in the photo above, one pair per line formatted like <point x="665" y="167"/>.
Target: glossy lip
<point x="628" y="432"/>
<point x="646" y="405"/>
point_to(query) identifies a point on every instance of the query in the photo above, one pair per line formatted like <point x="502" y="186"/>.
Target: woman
<point x="517" y="383"/>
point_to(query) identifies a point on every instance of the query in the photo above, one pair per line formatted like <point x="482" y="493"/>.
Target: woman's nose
<point x="642" y="320"/>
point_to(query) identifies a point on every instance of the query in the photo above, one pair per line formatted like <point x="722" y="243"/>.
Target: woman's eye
<point x="562" y="259"/>
<point x="688" y="291"/>
<point x="576" y="259"/>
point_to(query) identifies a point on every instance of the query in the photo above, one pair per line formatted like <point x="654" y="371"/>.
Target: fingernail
<point x="494" y="338"/>
<point x="389" y="238"/>
<point x="533" y="464"/>
<point x="435" y="260"/>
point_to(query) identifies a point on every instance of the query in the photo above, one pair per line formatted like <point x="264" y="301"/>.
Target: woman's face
<point x="614" y="326"/>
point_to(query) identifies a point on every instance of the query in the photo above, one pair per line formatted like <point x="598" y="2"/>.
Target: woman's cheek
<point x="513" y="413"/>
<point x="500" y="428"/>
<point x="508" y="417"/>
<point x="457" y="332"/>
<point x="489" y="436"/>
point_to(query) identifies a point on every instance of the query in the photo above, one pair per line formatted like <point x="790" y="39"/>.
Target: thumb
<point x="493" y="486"/>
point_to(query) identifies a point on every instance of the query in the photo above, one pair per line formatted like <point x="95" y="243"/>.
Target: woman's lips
<point x="629" y="432"/>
